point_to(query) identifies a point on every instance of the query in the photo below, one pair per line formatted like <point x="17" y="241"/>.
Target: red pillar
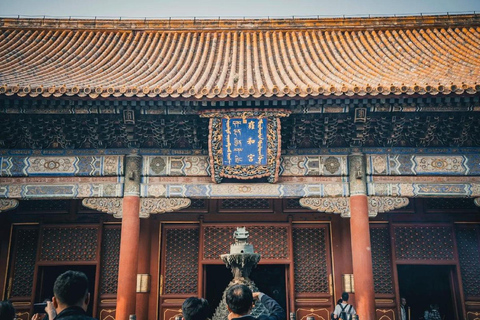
<point x="143" y="267"/>
<point x="360" y="238"/>
<point x="362" y="258"/>
<point x="127" y="266"/>
<point x="129" y="242"/>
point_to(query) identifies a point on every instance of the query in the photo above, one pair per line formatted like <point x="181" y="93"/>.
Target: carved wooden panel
<point x="259" y="204"/>
<point x="22" y="314"/>
<point x="110" y="258"/>
<point x="57" y="206"/>
<point x="34" y="131"/>
<point x="310" y="259"/>
<point x="25" y="252"/>
<point x="171" y="313"/>
<point x="469" y="258"/>
<point x="181" y="260"/>
<point x="473" y="315"/>
<point x="270" y="241"/>
<point x="385" y="314"/>
<point x="293" y="204"/>
<point x="317" y="313"/>
<point x="423" y="243"/>
<point x="107" y="314"/>
<point x="381" y="258"/>
<point x="69" y="244"/>
<point x="449" y="204"/>
<point x="198" y="204"/>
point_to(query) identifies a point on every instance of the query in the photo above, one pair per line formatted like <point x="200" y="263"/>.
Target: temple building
<point x="348" y="149"/>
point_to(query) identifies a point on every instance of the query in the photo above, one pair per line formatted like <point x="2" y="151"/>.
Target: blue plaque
<point x="244" y="144"/>
<point x="244" y="141"/>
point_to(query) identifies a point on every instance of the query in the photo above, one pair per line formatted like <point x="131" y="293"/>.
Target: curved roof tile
<point x="240" y="58"/>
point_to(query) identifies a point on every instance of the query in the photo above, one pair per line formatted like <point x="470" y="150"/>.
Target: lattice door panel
<point x="24" y="256"/>
<point x="424" y="243"/>
<point x="381" y="258"/>
<point x="468" y="239"/>
<point x="270" y="241"/>
<point x="69" y="244"/>
<point x="181" y="250"/>
<point x="311" y="258"/>
<point x="110" y="259"/>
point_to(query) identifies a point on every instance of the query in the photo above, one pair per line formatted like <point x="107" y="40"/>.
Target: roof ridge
<point x="337" y="23"/>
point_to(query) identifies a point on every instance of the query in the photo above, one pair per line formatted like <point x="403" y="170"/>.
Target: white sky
<point x="230" y="9"/>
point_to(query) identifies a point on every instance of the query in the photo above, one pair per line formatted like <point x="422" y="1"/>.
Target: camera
<point x="39" y="307"/>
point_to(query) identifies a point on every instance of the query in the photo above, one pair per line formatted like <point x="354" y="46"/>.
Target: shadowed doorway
<point x="423" y="285"/>
<point x="48" y="274"/>
<point x="269" y="279"/>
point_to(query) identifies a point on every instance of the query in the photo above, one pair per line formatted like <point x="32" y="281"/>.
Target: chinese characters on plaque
<point x="244" y="144"/>
<point x="244" y="141"/>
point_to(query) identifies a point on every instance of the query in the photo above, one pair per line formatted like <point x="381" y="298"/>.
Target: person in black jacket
<point x="195" y="309"/>
<point x="7" y="311"/>
<point x="240" y="301"/>
<point x="70" y="298"/>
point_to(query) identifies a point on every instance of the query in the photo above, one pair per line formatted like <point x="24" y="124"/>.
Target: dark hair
<point x="239" y="299"/>
<point x="195" y="309"/>
<point x="7" y="311"/>
<point x="71" y="287"/>
<point x="345" y="296"/>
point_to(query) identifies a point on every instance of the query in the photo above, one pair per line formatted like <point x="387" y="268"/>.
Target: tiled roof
<point x="240" y="58"/>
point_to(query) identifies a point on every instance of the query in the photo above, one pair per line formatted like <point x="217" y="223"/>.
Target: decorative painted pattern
<point x="238" y="190"/>
<point x="17" y="166"/>
<point x="431" y="189"/>
<point x="147" y="205"/>
<point x="107" y="205"/>
<point x="289" y="166"/>
<point x="61" y="166"/>
<point x="331" y="165"/>
<point x="48" y="191"/>
<point x="175" y="166"/>
<point x="154" y="206"/>
<point x="341" y="205"/>
<point x="411" y="164"/>
<point x="8" y="204"/>
<point x="338" y="205"/>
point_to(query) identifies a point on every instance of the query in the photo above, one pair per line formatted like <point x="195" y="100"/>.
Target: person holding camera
<point x="240" y="302"/>
<point x="70" y="298"/>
